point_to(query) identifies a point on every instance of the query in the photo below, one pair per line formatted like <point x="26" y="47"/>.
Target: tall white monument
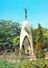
<point x="26" y="41"/>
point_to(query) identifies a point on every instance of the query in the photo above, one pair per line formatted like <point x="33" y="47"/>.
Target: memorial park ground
<point x="10" y="43"/>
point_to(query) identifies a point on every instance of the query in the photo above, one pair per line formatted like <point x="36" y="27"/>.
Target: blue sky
<point x="14" y="10"/>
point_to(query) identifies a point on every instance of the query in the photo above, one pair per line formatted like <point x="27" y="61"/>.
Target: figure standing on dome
<point x="25" y="14"/>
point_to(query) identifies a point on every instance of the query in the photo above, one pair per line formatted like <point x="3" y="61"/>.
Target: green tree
<point x="8" y="31"/>
<point x="39" y="43"/>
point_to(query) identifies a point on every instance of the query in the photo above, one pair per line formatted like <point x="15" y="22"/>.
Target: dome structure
<point x="26" y="32"/>
<point x="26" y="41"/>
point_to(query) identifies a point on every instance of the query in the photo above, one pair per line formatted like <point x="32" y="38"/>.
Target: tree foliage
<point x="8" y="31"/>
<point x="39" y="43"/>
<point x="10" y="34"/>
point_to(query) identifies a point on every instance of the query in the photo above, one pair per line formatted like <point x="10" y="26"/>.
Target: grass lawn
<point x="39" y="63"/>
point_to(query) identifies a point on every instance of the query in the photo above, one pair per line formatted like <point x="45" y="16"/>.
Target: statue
<point x="25" y="14"/>
<point x="26" y="40"/>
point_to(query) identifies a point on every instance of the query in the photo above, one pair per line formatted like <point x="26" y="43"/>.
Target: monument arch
<point x="26" y="41"/>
